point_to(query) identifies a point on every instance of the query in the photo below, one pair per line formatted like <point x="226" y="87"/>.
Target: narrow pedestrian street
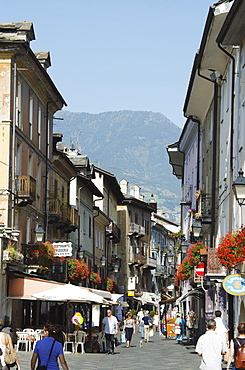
<point x="156" y="354"/>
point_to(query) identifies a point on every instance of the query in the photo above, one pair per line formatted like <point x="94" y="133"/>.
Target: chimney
<point x="135" y="191"/>
<point x="124" y="186"/>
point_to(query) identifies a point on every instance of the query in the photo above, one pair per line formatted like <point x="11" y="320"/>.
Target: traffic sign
<point x="200" y="269"/>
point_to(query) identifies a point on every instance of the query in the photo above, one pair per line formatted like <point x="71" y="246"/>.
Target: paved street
<point x="157" y="354"/>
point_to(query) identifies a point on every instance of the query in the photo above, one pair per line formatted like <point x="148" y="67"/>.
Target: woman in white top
<point x="155" y="321"/>
<point x="5" y="340"/>
<point x="129" y="328"/>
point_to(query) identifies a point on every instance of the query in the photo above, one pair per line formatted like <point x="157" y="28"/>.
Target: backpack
<point x="240" y="356"/>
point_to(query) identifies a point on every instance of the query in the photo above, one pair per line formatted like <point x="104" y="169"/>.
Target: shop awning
<point x="193" y="292"/>
<point x="23" y="288"/>
<point x="103" y="293"/>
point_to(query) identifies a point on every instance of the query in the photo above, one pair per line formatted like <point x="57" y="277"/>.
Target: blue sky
<point x="110" y="55"/>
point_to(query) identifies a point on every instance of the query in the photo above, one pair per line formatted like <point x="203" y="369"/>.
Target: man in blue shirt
<point x="110" y="328"/>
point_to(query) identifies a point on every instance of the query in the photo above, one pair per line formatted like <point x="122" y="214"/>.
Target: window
<point x="18" y="105"/>
<point x="30" y="164"/>
<point x="90" y="227"/>
<point x="18" y="160"/>
<point x="48" y="146"/>
<point x="136" y="218"/>
<point x="55" y="188"/>
<point x="84" y="223"/>
<point x="30" y="117"/>
<point x="39" y="125"/>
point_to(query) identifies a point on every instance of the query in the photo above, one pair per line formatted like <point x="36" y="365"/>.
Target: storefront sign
<point x="234" y="284"/>
<point x="130" y="293"/>
<point x="63" y="249"/>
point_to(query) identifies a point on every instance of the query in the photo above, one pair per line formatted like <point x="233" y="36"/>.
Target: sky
<point x="111" y="55"/>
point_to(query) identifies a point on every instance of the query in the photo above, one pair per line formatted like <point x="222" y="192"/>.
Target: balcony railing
<point x="133" y="229"/>
<point x="25" y="189"/>
<point x="187" y="191"/>
<point x="113" y="232"/>
<point x="54" y="209"/>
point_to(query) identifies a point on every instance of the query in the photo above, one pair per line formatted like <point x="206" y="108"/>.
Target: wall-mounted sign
<point x="234" y="284"/>
<point x="63" y="249"/>
<point x="130" y="293"/>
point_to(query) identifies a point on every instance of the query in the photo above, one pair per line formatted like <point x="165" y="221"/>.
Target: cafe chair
<point x="81" y="336"/>
<point x="68" y="343"/>
<point x="28" y="330"/>
<point x="102" y="342"/>
<point x="22" y="341"/>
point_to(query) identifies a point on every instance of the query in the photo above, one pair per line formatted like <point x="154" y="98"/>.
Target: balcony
<point x="187" y="191"/>
<point x="54" y="210"/>
<point x="133" y="229"/>
<point x="113" y="232"/>
<point x="70" y="219"/>
<point x="141" y="231"/>
<point x="25" y="190"/>
<point x="151" y="262"/>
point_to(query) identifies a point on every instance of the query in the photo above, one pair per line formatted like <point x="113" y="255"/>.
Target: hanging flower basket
<point x="231" y="250"/>
<point x="184" y="270"/>
<point x="194" y="253"/>
<point x="77" y="269"/>
<point x="94" y="277"/>
<point x="45" y="250"/>
<point x="109" y="284"/>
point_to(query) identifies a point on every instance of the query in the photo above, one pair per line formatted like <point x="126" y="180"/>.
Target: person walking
<point x="129" y="328"/>
<point x="235" y="344"/>
<point x="49" y="349"/>
<point x="109" y="328"/>
<point x="146" y="322"/>
<point x="155" y="322"/>
<point x="211" y="346"/>
<point x="177" y="329"/>
<point x="6" y="341"/>
<point x="221" y="326"/>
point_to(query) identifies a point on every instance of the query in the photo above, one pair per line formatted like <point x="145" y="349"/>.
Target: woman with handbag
<point x="6" y="346"/>
<point x="49" y="350"/>
<point x="129" y="328"/>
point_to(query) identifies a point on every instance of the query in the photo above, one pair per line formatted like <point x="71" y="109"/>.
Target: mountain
<point x="129" y="144"/>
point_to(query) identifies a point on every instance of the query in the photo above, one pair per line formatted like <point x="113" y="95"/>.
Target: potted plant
<point x="109" y="284"/>
<point x="95" y="346"/>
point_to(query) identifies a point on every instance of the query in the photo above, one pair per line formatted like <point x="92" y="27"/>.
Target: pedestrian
<point x="146" y="322"/>
<point x="109" y="328"/>
<point x="129" y="328"/>
<point x="181" y="325"/>
<point x="235" y="344"/>
<point x="155" y="321"/>
<point x="211" y="346"/>
<point x="221" y="326"/>
<point x="6" y="341"/>
<point x="140" y="315"/>
<point x="49" y="349"/>
<point x="177" y="329"/>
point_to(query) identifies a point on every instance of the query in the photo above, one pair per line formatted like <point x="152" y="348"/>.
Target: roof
<point x="233" y="29"/>
<point x="176" y="159"/>
<point x="113" y="183"/>
<point x="90" y="185"/>
<point x="129" y="199"/>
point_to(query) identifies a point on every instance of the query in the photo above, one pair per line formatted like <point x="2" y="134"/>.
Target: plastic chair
<point x="67" y="343"/>
<point x="22" y="340"/>
<point x="81" y="336"/>
<point x="102" y="342"/>
<point x="28" y="330"/>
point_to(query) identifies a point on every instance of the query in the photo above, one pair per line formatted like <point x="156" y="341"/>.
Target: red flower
<point x="231" y="250"/>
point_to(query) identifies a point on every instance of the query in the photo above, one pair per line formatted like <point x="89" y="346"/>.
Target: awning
<point x="103" y="293"/>
<point x="23" y="288"/>
<point x="168" y="300"/>
<point x="193" y="292"/>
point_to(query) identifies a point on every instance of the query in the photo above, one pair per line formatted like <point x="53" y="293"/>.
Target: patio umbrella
<point x="70" y="293"/>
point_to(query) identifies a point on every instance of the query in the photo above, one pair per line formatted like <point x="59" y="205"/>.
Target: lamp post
<point x="238" y="187"/>
<point x="196" y="227"/>
<point x="103" y="263"/>
<point x="184" y="247"/>
<point x="81" y="253"/>
<point x="39" y="233"/>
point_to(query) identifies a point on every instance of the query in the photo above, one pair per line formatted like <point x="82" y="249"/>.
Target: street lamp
<point x="116" y="267"/>
<point x="196" y="227"/>
<point x="238" y="187"/>
<point x="184" y="246"/>
<point x="170" y="258"/>
<point x="103" y="261"/>
<point x="39" y="233"/>
<point x="81" y="253"/>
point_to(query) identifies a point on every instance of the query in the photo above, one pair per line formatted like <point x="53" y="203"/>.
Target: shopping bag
<point x="151" y="333"/>
<point x="122" y="338"/>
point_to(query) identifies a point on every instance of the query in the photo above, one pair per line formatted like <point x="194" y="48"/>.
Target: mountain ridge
<point x="129" y="144"/>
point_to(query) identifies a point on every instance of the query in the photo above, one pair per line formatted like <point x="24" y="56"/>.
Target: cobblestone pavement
<point x="156" y="354"/>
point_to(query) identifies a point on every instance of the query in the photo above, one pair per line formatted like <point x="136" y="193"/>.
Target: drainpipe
<point x="214" y="162"/>
<point x="231" y="130"/>
<point x="13" y="137"/>
<point x="231" y="297"/>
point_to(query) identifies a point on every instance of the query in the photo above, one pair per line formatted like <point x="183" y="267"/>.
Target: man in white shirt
<point x="211" y="346"/>
<point x="109" y="328"/>
<point x="221" y="326"/>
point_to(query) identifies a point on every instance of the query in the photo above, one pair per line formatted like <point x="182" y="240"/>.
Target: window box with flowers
<point x="231" y="250"/>
<point x="41" y="250"/>
<point x="76" y="269"/>
<point x="194" y="253"/>
<point x="94" y="278"/>
<point x="109" y="284"/>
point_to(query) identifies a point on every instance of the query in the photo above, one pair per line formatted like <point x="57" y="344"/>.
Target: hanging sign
<point x="63" y="249"/>
<point x="234" y="284"/>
